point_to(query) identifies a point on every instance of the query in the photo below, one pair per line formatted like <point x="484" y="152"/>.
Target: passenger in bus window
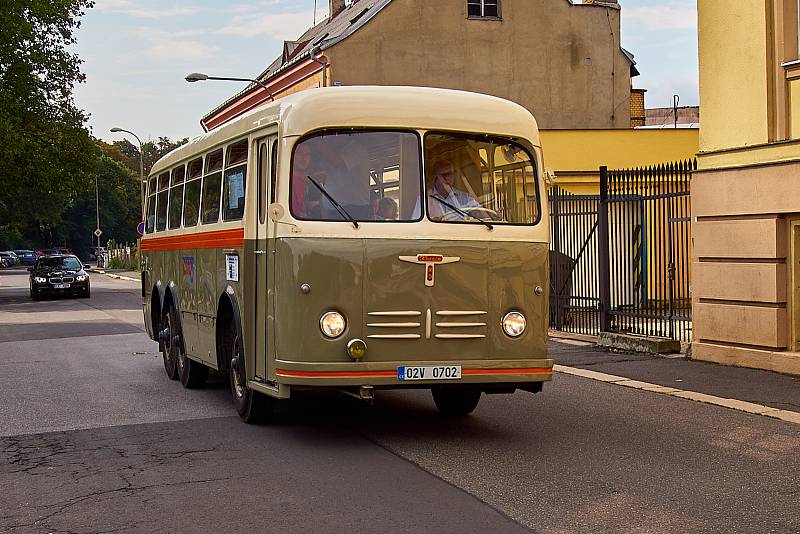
<point x="387" y="209"/>
<point x="301" y="168"/>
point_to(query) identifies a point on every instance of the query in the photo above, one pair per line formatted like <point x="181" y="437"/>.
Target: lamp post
<point x="200" y="77"/>
<point x="141" y="164"/>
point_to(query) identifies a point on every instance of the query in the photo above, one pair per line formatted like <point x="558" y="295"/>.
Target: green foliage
<point x="120" y="208"/>
<point x="153" y="151"/>
<point x="46" y="153"/>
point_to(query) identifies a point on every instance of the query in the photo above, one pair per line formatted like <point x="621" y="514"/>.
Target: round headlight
<point x="332" y="324"/>
<point x="514" y="324"/>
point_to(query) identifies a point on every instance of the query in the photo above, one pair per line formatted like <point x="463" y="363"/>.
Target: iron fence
<point x="620" y="261"/>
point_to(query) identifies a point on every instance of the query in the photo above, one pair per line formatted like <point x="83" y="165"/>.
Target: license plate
<point x="60" y="286"/>
<point x="429" y="372"/>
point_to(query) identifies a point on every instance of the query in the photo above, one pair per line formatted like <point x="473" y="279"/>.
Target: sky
<point x="137" y="52"/>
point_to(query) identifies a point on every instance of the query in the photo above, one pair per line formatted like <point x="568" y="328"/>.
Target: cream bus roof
<point x="368" y="107"/>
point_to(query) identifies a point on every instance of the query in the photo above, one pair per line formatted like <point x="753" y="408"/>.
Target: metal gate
<point x="620" y="261"/>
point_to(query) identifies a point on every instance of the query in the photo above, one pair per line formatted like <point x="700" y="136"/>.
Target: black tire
<point x="252" y="407"/>
<point x="168" y="348"/>
<point x="192" y="374"/>
<point x="456" y="401"/>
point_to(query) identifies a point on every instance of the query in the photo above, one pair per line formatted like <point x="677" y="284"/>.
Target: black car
<point x="27" y="257"/>
<point x="59" y="275"/>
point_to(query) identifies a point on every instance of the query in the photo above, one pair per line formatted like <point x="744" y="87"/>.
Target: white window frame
<point x="482" y="4"/>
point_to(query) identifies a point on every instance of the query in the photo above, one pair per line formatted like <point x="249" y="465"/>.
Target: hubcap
<point x="168" y="340"/>
<point x="238" y="382"/>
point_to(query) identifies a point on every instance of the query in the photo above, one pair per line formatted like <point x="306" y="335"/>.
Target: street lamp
<point x="141" y="163"/>
<point x="200" y="77"/>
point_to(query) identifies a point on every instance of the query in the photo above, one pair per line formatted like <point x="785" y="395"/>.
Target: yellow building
<point x="575" y="156"/>
<point x="746" y="193"/>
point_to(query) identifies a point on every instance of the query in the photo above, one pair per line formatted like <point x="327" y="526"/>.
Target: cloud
<point x="177" y="50"/>
<point x="282" y="26"/>
<point x="136" y="9"/>
<point x="668" y="16"/>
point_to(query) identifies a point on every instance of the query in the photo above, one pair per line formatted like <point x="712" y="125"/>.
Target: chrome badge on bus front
<point x="429" y="261"/>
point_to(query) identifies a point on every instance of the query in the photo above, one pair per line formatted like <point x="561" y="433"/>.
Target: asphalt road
<point x="95" y="438"/>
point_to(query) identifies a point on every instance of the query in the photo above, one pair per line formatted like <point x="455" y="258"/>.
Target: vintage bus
<point x="353" y="239"/>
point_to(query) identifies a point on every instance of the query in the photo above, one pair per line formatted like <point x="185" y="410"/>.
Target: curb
<point x="117" y="276"/>
<point x="733" y="404"/>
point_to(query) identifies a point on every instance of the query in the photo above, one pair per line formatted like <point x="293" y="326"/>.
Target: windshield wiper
<point x="339" y="208"/>
<point x="464" y="213"/>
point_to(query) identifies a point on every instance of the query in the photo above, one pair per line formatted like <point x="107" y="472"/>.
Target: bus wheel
<point x="191" y="373"/>
<point x="456" y="401"/>
<point x="252" y="407"/>
<point x="168" y="346"/>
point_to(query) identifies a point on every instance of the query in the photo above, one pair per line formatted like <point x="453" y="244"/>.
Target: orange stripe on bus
<point x="218" y="239"/>
<point x="328" y="374"/>
<point x="359" y="374"/>
<point x="521" y="371"/>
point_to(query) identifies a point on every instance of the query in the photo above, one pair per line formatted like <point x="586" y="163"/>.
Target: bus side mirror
<point x="549" y="178"/>
<point x="276" y="211"/>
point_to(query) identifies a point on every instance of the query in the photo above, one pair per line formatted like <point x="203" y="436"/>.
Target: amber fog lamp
<point x="514" y="324"/>
<point x="332" y="324"/>
<point x="356" y="349"/>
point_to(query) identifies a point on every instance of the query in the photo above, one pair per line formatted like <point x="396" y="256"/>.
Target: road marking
<point x="571" y="341"/>
<point x="733" y="404"/>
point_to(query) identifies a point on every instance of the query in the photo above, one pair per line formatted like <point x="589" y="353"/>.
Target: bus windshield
<point x="364" y="176"/>
<point x="475" y="179"/>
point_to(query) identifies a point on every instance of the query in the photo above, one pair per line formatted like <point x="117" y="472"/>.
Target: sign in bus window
<point x="366" y="176"/>
<point x="233" y="194"/>
<point x="210" y="206"/>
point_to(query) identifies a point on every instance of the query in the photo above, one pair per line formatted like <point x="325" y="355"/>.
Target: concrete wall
<point x="559" y="60"/>
<point x="745" y="197"/>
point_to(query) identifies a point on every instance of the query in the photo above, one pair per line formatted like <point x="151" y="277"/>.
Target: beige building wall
<point x="561" y="61"/>
<point x="746" y="193"/>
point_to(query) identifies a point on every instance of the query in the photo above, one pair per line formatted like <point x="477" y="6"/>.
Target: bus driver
<point x="445" y="201"/>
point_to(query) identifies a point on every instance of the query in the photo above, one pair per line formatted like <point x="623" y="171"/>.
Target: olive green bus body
<point x="291" y="272"/>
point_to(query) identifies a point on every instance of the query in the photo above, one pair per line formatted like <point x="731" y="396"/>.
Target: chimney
<point x="335" y="7"/>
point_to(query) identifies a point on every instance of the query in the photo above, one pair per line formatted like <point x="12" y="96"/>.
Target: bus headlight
<point x="332" y="324"/>
<point x="514" y="324"/>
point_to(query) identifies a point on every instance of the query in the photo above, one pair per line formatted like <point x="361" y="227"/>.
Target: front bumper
<point x="384" y="374"/>
<point x="74" y="288"/>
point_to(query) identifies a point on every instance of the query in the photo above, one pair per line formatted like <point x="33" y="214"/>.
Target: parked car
<point x="94" y="251"/>
<point x="26" y="257"/>
<point x="10" y="257"/>
<point x="58" y="275"/>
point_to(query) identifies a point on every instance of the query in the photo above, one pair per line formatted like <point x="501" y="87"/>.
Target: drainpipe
<point x="324" y="62"/>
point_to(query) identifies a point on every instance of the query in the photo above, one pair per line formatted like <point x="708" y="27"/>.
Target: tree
<point x="153" y="151"/>
<point x="120" y="211"/>
<point x="46" y="153"/>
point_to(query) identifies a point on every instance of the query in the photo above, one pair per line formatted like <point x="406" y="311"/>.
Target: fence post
<point x="555" y="270"/>
<point x="604" y="267"/>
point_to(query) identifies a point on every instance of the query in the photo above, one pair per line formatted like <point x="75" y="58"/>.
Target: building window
<point x="483" y="9"/>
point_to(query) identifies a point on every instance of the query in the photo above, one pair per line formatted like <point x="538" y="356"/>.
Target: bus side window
<point x="211" y="187"/>
<point x="162" y="196"/>
<point x="176" y="197"/>
<point x="274" y="172"/>
<point x="234" y="183"/>
<point x="191" y="198"/>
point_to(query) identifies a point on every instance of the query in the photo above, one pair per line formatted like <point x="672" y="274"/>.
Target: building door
<point x="795" y="277"/>
<point x="261" y="287"/>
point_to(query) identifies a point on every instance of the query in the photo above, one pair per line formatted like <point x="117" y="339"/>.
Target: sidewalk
<point x="121" y="274"/>
<point x="764" y="388"/>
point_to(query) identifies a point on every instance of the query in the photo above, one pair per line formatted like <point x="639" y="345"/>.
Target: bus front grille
<point x="408" y="324"/>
